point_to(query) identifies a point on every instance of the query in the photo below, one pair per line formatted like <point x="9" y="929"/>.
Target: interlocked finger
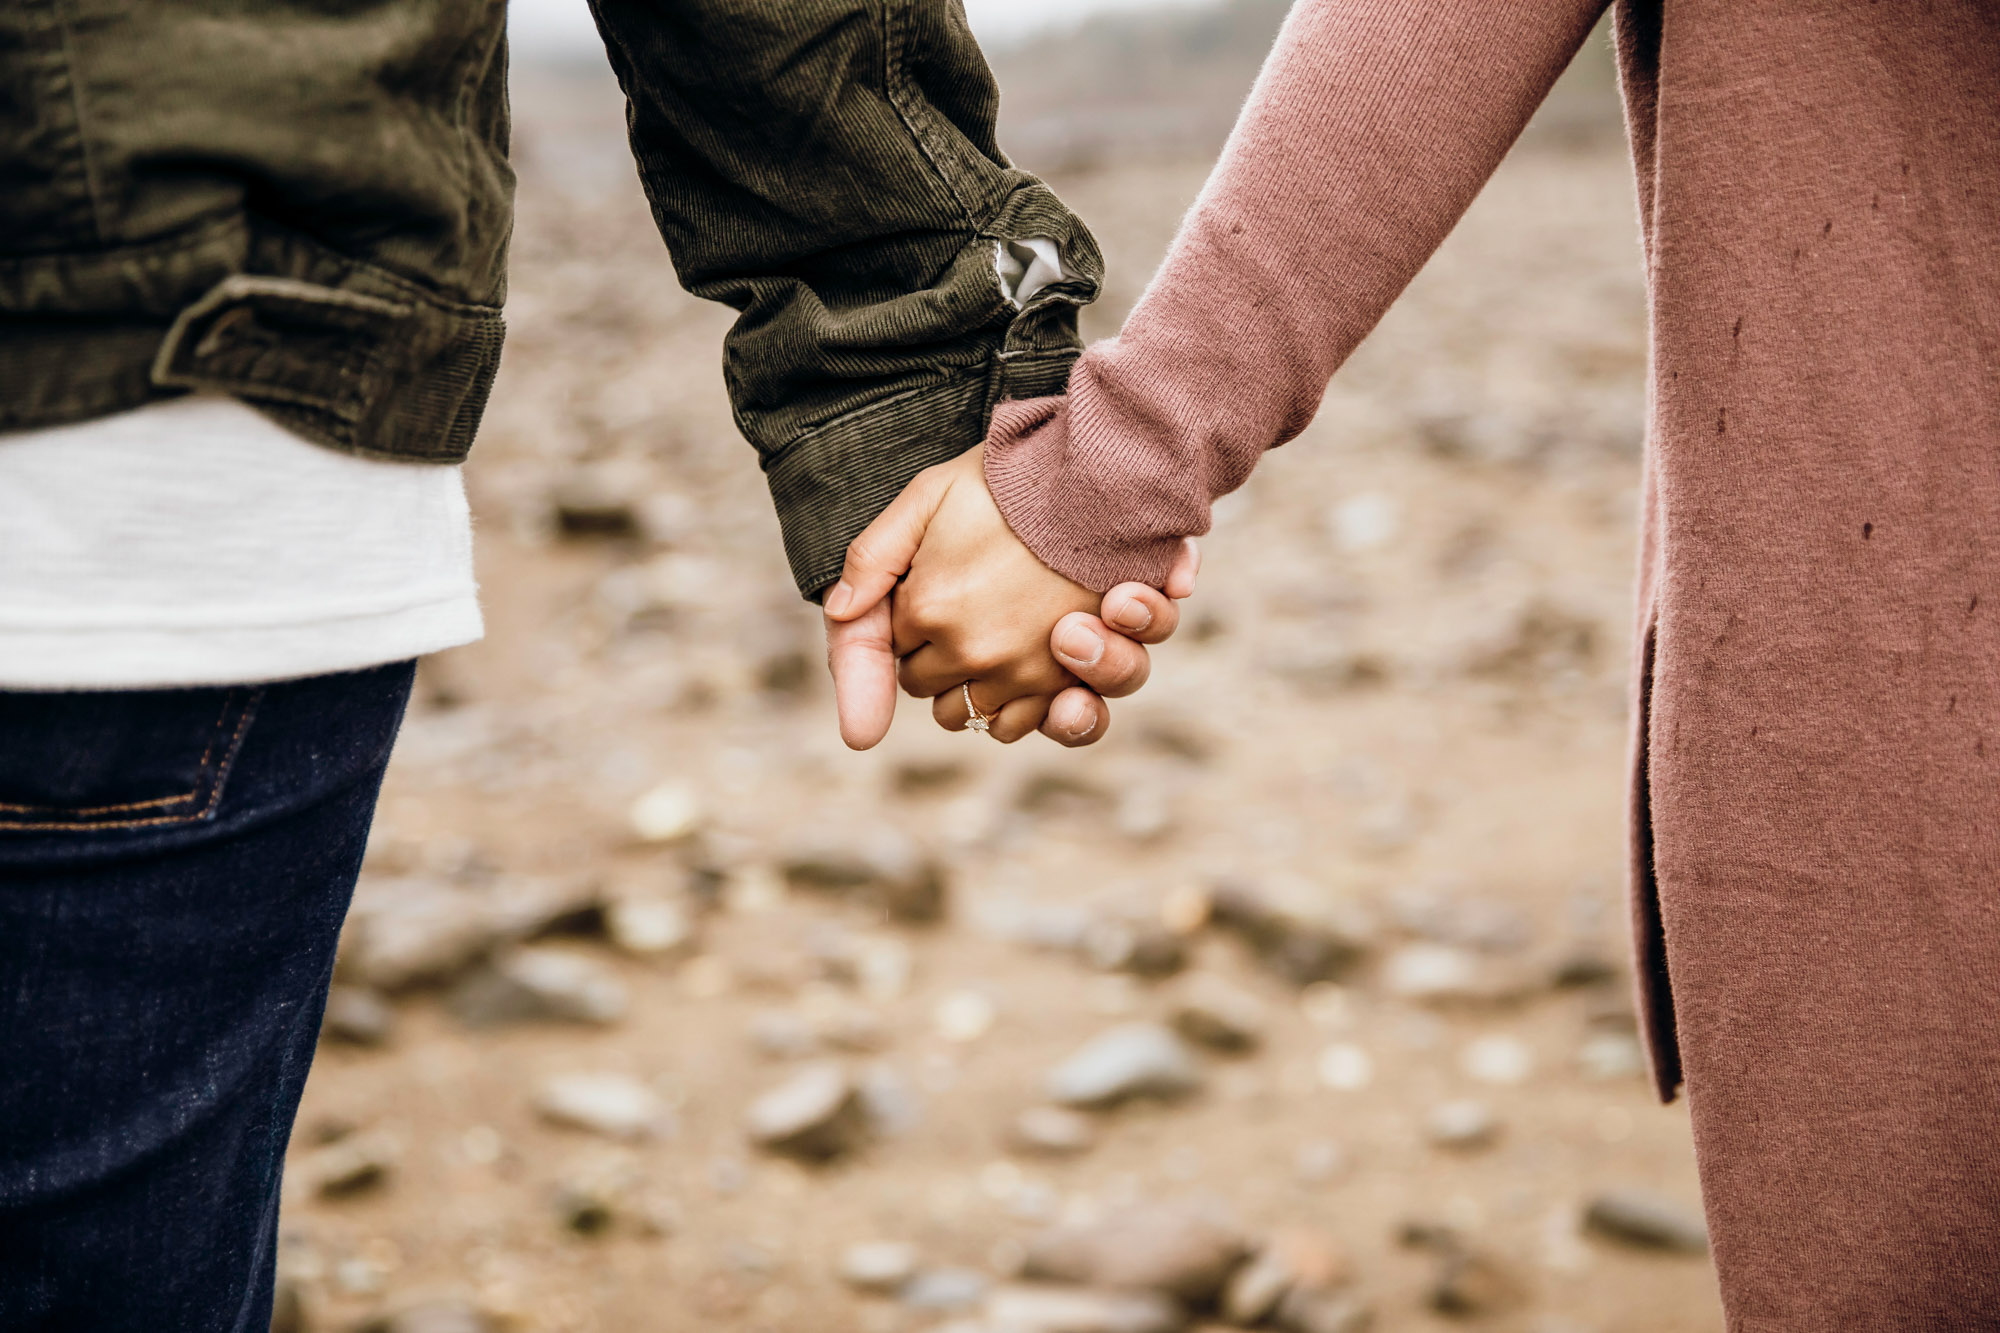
<point x="1007" y="723"/>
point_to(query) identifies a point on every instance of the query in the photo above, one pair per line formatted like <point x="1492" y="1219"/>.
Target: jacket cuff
<point x="832" y="481"/>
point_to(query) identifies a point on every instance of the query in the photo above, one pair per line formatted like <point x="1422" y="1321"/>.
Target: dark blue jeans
<point x="174" y="868"/>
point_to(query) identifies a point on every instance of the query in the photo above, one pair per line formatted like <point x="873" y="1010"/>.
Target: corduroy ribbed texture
<point x="1815" y="842"/>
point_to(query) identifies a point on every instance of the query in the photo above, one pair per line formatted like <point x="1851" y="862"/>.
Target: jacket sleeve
<point x="829" y="168"/>
<point x="1370" y="131"/>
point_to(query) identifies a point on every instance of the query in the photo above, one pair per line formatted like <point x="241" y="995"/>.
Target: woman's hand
<point x="976" y="608"/>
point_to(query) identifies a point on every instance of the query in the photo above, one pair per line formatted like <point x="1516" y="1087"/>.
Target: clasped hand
<point x="939" y="593"/>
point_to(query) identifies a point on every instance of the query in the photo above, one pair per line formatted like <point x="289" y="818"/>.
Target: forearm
<point x="829" y="168"/>
<point x="1369" y="133"/>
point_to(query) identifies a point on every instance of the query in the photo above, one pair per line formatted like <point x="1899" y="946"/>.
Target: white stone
<point x="1346" y="1067"/>
<point x="878" y="1265"/>
<point x="668" y="813"/>
<point x="1497" y="1059"/>
<point x="963" y="1016"/>
<point x="648" y="925"/>
<point x="614" y="1105"/>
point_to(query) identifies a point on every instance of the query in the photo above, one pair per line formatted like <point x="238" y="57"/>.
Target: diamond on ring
<point x="975" y="720"/>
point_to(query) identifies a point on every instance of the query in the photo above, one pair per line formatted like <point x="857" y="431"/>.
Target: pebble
<point x="412" y="931"/>
<point x="1025" y="1308"/>
<point x="887" y="866"/>
<point x="358" y="1016"/>
<point x="1444" y="974"/>
<point x="404" y="933"/>
<point x="595" y="501"/>
<point x="1649" y="1221"/>
<point x="588" y="1202"/>
<point x="1185" y="1250"/>
<point x="1586" y="965"/>
<point x="1130" y="1060"/>
<point x="892" y="1106"/>
<point x="963" y="1016"/>
<point x="944" y="1289"/>
<point x="1461" y="1125"/>
<point x="878" y="1265"/>
<point x="613" y="1105"/>
<point x="432" y="1316"/>
<point x="1300" y="939"/>
<point x="538" y="984"/>
<point x="667" y="813"/>
<point x="1474" y="923"/>
<point x="815" y="1114"/>
<point x="1322" y="1312"/>
<point x="849" y="1027"/>
<point x="1052" y="1131"/>
<point x="1213" y="1012"/>
<point x="351" y="1165"/>
<point x="1611" y="1055"/>
<point x="1143" y="948"/>
<point x="648" y="926"/>
<point x="1345" y="1067"/>
<point x="1296" y="1260"/>
<point x="882" y="968"/>
<point x="779" y="1034"/>
<point x="1468" y="1283"/>
<point x="1497" y="1059"/>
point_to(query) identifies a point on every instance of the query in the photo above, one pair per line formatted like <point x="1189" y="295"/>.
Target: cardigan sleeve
<point x="1371" y="129"/>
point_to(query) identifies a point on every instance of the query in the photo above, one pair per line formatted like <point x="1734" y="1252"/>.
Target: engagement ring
<point x="977" y="721"/>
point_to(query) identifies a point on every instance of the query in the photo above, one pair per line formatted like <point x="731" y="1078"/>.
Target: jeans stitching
<point x="216" y="783"/>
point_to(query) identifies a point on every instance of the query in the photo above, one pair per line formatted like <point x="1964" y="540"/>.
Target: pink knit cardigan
<point x="1816" y="775"/>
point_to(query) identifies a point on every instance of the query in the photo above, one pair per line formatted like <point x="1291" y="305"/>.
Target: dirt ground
<point x="1401" y="691"/>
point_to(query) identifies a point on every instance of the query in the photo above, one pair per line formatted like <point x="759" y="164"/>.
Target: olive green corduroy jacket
<point x="307" y="205"/>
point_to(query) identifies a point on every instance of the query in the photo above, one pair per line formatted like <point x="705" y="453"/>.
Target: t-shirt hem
<point x="125" y="657"/>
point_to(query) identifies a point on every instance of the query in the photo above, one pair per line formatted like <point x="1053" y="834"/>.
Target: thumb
<point x="882" y="553"/>
<point x="1180" y="579"/>
<point x="862" y="658"/>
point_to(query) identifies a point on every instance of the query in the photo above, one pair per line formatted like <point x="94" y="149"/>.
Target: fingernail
<point x="1133" y="615"/>
<point x="839" y="599"/>
<point x="1080" y="645"/>
<point x="1079" y="719"/>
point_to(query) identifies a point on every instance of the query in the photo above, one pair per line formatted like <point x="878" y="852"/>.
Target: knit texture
<point x="1371" y="128"/>
<point x="1816" y="755"/>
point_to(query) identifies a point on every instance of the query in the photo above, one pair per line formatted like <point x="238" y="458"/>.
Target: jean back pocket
<point x="114" y="759"/>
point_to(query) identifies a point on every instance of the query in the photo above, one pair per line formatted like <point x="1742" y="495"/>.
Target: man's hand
<point x="977" y="607"/>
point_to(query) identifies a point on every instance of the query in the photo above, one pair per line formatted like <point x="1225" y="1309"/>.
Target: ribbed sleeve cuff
<point x="1061" y="496"/>
<point x="833" y="481"/>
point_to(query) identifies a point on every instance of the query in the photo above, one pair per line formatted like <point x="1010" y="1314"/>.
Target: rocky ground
<point x="1298" y="1002"/>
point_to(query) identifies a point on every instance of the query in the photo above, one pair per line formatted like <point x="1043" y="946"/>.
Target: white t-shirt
<point x="197" y="542"/>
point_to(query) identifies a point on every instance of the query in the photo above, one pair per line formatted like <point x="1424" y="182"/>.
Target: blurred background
<point x="1300" y="1002"/>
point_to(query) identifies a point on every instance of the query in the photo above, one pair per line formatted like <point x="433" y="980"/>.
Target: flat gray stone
<point x="540" y="985"/>
<point x="1130" y="1060"/>
<point x="357" y="1016"/>
<point x="1323" y="1312"/>
<point x="1214" y="1012"/>
<point x="945" y="1289"/>
<point x="1027" y="1308"/>
<point x="1646" y="1220"/>
<point x="350" y="1165"/>
<point x="1187" y="1251"/>
<point x="1052" y="1131"/>
<point x="817" y="1113"/>
<point x="1461" y="1125"/>
<point x="878" y="1265"/>
<point x="613" y="1105"/>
